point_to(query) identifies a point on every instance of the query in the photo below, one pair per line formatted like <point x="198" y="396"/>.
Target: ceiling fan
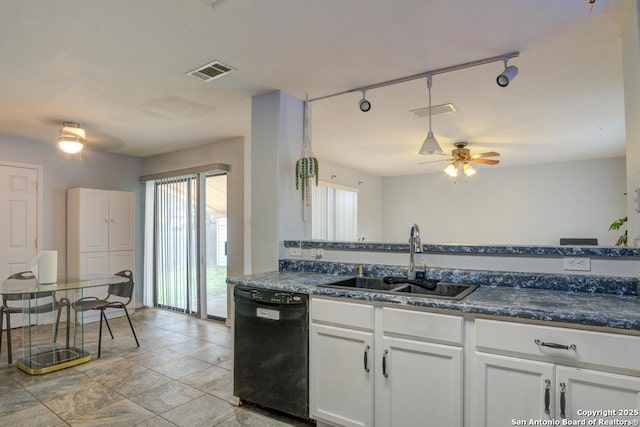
<point x="461" y="156"/>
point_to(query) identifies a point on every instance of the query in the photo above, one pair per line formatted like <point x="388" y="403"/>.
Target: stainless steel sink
<point x="362" y="283"/>
<point x="443" y="290"/>
<point x="436" y="289"/>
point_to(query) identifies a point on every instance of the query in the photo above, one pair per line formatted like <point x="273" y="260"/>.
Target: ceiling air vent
<point x="211" y="71"/>
<point x="436" y="109"/>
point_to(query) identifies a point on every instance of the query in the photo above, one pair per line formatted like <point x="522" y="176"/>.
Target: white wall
<point x="631" y="71"/>
<point x="231" y="152"/>
<point x="92" y="169"/>
<point x="534" y="205"/>
<point x="369" y="196"/>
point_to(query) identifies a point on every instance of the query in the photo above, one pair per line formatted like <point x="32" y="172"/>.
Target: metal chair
<point x="122" y="290"/>
<point x="14" y="303"/>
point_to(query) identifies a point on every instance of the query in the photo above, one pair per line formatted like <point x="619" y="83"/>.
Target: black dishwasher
<point x="271" y="350"/>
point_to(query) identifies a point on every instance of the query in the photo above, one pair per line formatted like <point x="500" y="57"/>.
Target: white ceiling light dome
<point x="71" y="137"/>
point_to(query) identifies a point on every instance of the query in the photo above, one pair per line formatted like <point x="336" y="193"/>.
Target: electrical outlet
<point x="317" y="252"/>
<point x="576" y="263"/>
<point x="295" y="252"/>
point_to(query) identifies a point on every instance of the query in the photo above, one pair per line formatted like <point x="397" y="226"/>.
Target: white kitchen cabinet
<point x="100" y="236"/>
<point x="421" y="384"/>
<point x="341" y="377"/>
<point x="586" y="389"/>
<point x="510" y="385"/>
<point x="508" y="388"/>
<point x="405" y="370"/>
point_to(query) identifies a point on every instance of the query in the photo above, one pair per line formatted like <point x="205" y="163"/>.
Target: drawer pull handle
<point x="366" y="359"/>
<point x="556" y="345"/>
<point x="384" y="364"/>
<point x="563" y="400"/>
<point x="547" y="396"/>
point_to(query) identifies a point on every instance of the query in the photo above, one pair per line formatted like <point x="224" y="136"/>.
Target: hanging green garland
<point x="306" y="169"/>
<point x="307" y="166"/>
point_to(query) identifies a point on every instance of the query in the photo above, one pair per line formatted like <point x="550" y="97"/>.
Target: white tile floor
<point x="180" y="376"/>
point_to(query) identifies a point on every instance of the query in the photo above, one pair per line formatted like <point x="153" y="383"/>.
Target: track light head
<point x="365" y="105"/>
<point x="507" y="75"/>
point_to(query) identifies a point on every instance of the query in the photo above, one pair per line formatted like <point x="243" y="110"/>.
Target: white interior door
<point x="18" y="221"/>
<point x="18" y="218"/>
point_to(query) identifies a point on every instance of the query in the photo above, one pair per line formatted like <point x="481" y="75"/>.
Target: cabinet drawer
<point x="428" y="326"/>
<point x="342" y="313"/>
<point x="597" y="348"/>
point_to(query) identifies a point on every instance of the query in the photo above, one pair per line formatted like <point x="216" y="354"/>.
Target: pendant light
<point x="430" y="144"/>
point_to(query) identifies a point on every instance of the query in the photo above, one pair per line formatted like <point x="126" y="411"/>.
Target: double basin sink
<point x="402" y="286"/>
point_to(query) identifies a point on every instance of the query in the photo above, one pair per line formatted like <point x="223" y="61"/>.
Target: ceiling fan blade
<point x="436" y="161"/>
<point x="488" y="154"/>
<point x="485" y="161"/>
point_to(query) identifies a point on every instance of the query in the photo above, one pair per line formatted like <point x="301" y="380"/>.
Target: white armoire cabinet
<point x="100" y="235"/>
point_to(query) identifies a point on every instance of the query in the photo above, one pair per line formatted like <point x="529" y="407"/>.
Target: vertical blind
<point x="334" y="213"/>
<point x="176" y="263"/>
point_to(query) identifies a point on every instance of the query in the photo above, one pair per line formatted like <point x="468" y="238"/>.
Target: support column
<point x="631" y="71"/>
<point x="276" y="207"/>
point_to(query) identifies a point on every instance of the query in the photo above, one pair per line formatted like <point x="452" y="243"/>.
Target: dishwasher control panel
<point x="276" y="297"/>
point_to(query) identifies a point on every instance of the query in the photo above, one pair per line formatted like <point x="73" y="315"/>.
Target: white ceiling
<point x="118" y="68"/>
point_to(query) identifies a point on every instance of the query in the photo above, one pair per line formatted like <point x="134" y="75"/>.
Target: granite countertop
<point x="578" y="308"/>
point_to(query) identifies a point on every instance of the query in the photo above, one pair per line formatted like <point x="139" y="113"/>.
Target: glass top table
<point x="44" y="309"/>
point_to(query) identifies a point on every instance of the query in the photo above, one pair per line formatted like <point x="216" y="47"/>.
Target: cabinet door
<point x="592" y="390"/>
<point x="94" y="220"/>
<point x="420" y="384"/>
<point x="507" y="388"/>
<point x="94" y="264"/>
<point x="341" y="384"/>
<point x="121" y="221"/>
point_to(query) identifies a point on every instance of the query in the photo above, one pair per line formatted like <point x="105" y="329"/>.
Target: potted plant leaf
<point x="307" y="165"/>
<point x="622" y="240"/>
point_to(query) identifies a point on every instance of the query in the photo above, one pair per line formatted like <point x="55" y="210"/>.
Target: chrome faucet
<point x="415" y="247"/>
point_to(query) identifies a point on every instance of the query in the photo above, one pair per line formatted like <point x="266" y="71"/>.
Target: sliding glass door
<point x="176" y="267"/>
<point x="216" y="245"/>
<point x="190" y="244"/>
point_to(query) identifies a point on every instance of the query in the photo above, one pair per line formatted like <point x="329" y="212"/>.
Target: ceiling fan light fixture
<point x="452" y="170"/>
<point x="430" y="145"/>
<point x="71" y="137"/>
<point x="468" y="169"/>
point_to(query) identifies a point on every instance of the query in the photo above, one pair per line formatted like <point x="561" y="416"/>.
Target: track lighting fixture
<point x="509" y="73"/>
<point x="430" y="144"/>
<point x="365" y="105"/>
<point x="71" y="137"/>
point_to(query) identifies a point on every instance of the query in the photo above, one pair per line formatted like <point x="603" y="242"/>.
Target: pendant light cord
<point x="429" y="86"/>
